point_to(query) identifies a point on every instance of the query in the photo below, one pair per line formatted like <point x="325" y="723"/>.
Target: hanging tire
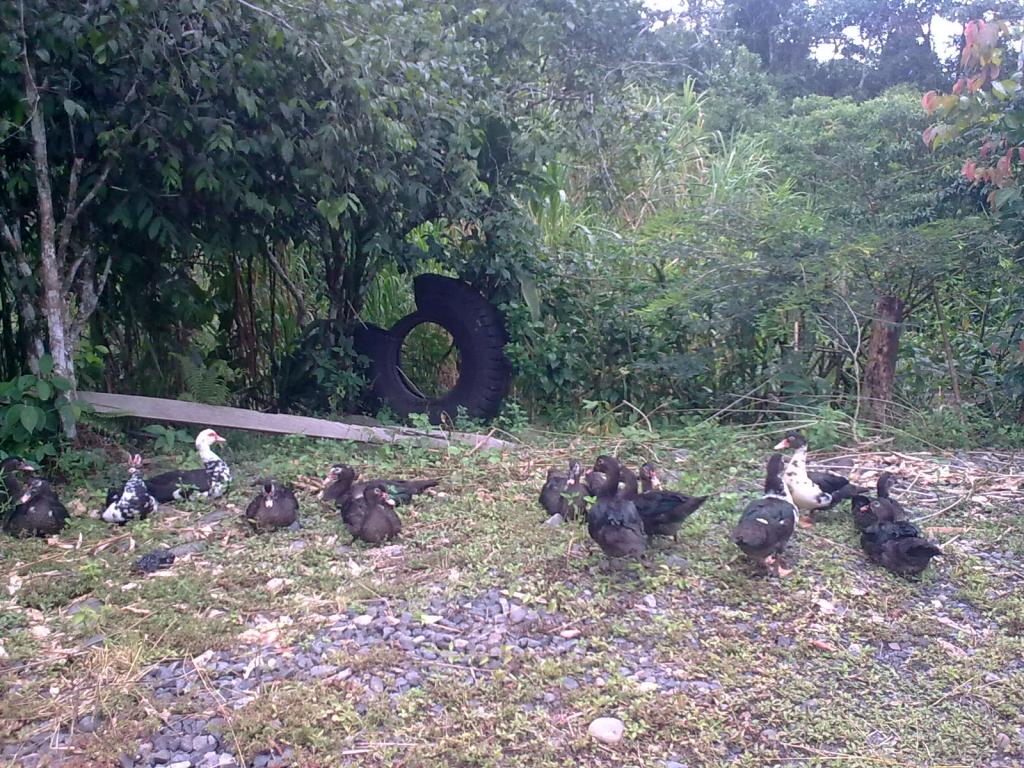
<point x="478" y="333"/>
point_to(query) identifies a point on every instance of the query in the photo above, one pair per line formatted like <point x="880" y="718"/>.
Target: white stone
<point x="607" y="730"/>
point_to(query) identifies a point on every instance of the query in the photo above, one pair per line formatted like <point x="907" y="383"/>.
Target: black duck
<point x="767" y="524"/>
<point x="274" y="507"/>
<point x="613" y="521"/>
<point x="38" y="513"/>
<point x="899" y="547"/>
<point x="371" y="516"/>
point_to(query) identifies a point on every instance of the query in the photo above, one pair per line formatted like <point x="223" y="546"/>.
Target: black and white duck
<point x="209" y="482"/>
<point x="868" y="512"/>
<point x="563" y="492"/>
<point x="341" y="483"/>
<point x="899" y="547"/>
<point x="663" y="512"/>
<point x="274" y="507"/>
<point x="38" y="513"/>
<point x="766" y="524"/>
<point x="134" y="500"/>
<point x="812" y="490"/>
<point x="371" y="516"/>
<point x="613" y="521"/>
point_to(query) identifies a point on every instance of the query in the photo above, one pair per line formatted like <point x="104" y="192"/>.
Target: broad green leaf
<point x="30" y="417"/>
<point x="44" y="390"/>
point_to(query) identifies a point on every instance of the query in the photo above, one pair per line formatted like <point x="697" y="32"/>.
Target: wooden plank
<point x="161" y="409"/>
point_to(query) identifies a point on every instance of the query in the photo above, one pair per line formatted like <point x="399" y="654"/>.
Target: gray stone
<point x="570" y="684"/>
<point x="161" y="757"/>
<point x="203" y="743"/>
<point x="89" y="723"/>
<point x="323" y="670"/>
<point x="89" y="604"/>
<point x="191" y="548"/>
<point x="607" y="730"/>
<point x="554" y="520"/>
<point x="376" y="684"/>
<point x="517" y="614"/>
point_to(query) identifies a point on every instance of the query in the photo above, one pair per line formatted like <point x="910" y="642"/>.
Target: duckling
<point x="812" y="490"/>
<point x="341" y="482"/>
<point x="274" y="507"/>
<point x="868" y="512"/>
<point x="899" y="547"/>
<point x="371" y="516"/>
<point x="39" y="512"/>
<point x="134" y="500"/>
<point x="767" y="524"/>
<point x="613" y="521"/>
<point x="663" y="512"/>
<point x="562" y="493"/>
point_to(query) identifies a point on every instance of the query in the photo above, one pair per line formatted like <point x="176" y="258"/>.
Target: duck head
<point x="608" y="468"/>
<point x="16" y="464"/>
<point x="378" y="494"/>
<point x="649" y="472"/>
<point x="792" y="441"/>
<point x="340" y="472"/>
<point x="135" y="464"/>
<point x="885" y="482"/>
<point x="208" y="437"/>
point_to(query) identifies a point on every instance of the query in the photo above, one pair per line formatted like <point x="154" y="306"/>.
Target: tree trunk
<point x="53" y="305"/>
<point x="883" y="350"/>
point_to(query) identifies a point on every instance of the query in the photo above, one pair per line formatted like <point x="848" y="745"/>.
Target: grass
<point x="839" y="664"/>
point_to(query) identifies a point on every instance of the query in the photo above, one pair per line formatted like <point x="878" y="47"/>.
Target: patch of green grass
<point x="840" y="663"/>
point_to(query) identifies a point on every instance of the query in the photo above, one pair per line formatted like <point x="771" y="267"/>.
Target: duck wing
<point x="908" y="556"/>
<point x="402" y="491"/>
<point x="178" y="484"/>
<point x="836" y="486"/>
<point x="663" y="512"/>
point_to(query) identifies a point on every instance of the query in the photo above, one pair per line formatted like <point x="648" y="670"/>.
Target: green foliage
<point x="167" y="439"/>
<point x="32" y="405"/>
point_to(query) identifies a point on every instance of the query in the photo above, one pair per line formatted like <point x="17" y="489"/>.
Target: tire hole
<point x="429" y="362"/>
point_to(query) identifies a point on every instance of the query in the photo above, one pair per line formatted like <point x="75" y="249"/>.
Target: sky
<point x="944" y="31"/>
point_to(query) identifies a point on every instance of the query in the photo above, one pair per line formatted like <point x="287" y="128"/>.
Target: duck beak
<point x="218" y="439"/>
<point x="388" y="500"/>
<point x="25" y="497"/>
<point x="26" y="467"/>
<point x="782" y="445"/>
